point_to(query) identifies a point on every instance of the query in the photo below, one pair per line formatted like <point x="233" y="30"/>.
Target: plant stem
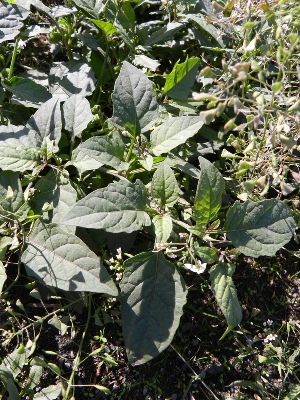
<point x="13" y="60"/>
<point x="77" y="358"/>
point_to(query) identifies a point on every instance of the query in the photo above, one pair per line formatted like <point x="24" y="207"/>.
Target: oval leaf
<point x="164" y="186"/>
<point x="99" y="150"/>
<point x="60" y="259"/>
<point x="135" y="103"/>
<point x="119" y="207"/>
<point x="153" y="294"/>
<point x="173" y="132"/>
<point x="163" y="227"/>
<point x="225" y="292"/>
<point x="259" y="228"/>
<point x="77" y="114"/>
<point x="209" y="192"/>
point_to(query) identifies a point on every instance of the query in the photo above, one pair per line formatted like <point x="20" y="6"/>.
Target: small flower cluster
<point x="117" y="265"/>
<point x="270" y="337"/>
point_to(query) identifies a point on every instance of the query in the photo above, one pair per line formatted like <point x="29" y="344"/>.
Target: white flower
<point x="21" y="44"/>
<point x="199" y="268"/>
<point x="269" y="338"/>
<point x="119" y="254"/>
<point x="269" y="322"/>
<point x="118" y="276"/>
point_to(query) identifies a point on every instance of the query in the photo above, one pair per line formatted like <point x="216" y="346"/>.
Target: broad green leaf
<point x="46" y="122"/>
<point x="209" y="28"/>
<point x="18" y="150"/>
<point x="105" y="26"/>
<point x="259" y="228"/>
<point x="119" y="207"/>
<point x="34" y="375"/>
<point x="11" y="17"/>
<point x="163" y="34"/>
<point x="209" y="192"/>
<point x="92" y="7"/>
<point x="77" y="114"/>
<point x="134" y="100"/>
<point x="225" y="292"/>
<point x="174" y="132"/>
<point x="164" y="186"/>
<point x="11" y="194"/>
<point x="97" y="151"/>
<point x="28" y="92"/>
<point x="163" y="227"/>
<point x="60" y="259"/>
<point x="206" y="254"/>
<point x="15" y="361"/>
<point x="3" y="276"/>
<point x="146" y="62"/>
<point x="55" y="189"/>
<point x="152" y="296"/>
<point x="182" y="165"/>
<point x="181" y="79"/>
<point x="71" y="77"/>
<point x="7" y="380"/>
<point x="51" y="392"/>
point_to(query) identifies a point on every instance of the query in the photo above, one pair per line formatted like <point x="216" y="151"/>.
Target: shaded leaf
<point x="152" y="296"/>
<point x="173" y="132"/>
<point x="163" y="34"/>
<point x="135" y="103"/>
<point x="119" y="207"/>
<point x="259" y="228"/>
<point x="92" y="7"/>
<point x="3" y="276"/>
<point x="11" y="17"/>
<point x="58" y="258"/>
<point x="46" y="122"/>
<point x="71" y="77"/>
<point x="55" y="189"/>
<point x="225" y="292"/>
<point x="11" y="194"/>
<point x="209" y="192"/>
<point x="28" y="92"/>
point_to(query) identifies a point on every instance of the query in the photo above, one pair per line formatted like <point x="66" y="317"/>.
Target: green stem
<point x="130" y="149"/>
<point x="13" y="60"/>
<point x="77" y="358"/>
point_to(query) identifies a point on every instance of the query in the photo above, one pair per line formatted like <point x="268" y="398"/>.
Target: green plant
<point x="104" y="149"/>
